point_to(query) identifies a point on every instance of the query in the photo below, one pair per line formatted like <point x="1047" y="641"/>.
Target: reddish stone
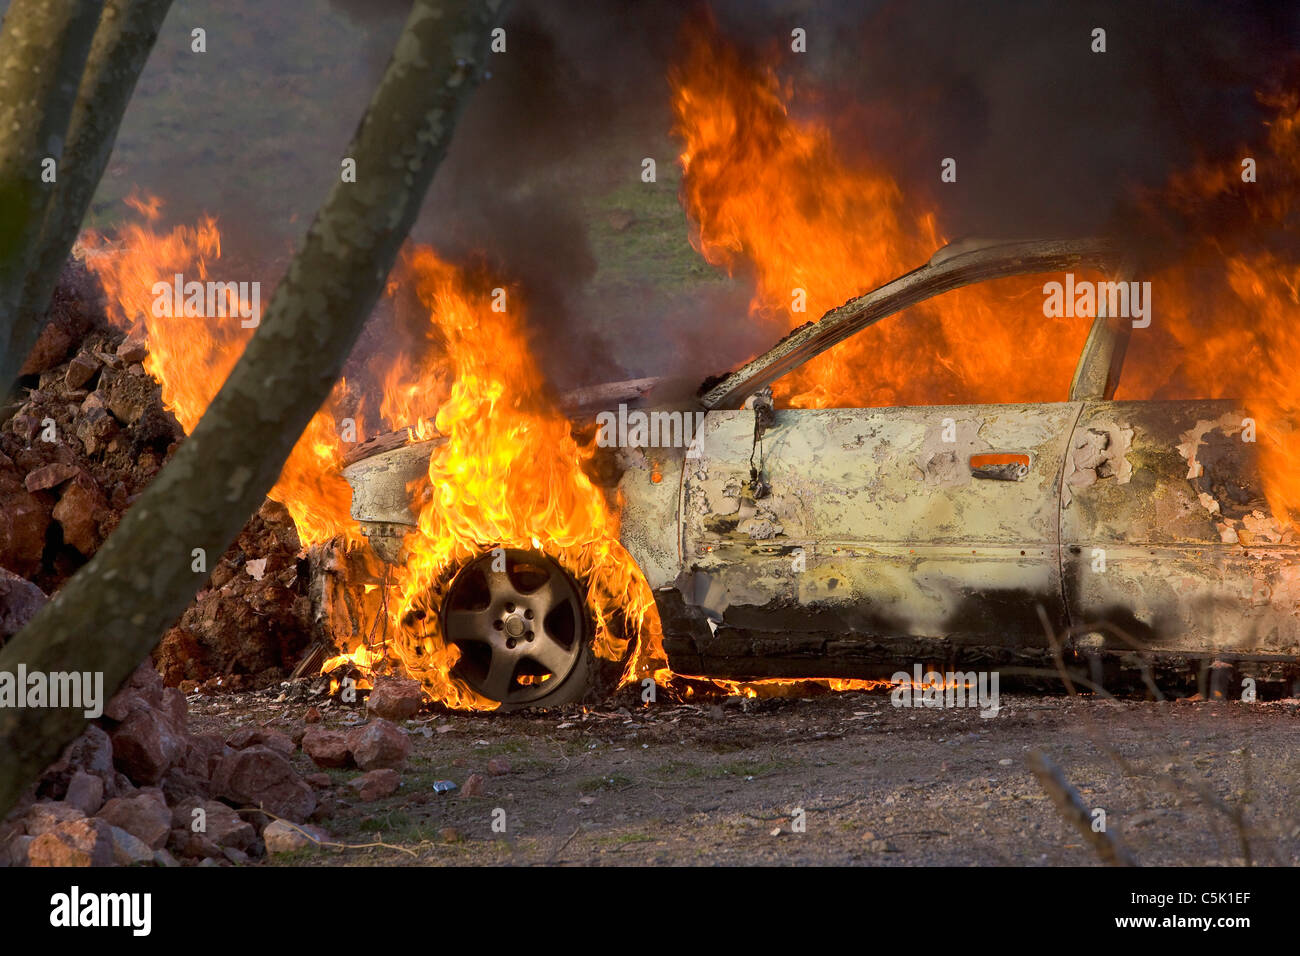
<point x="132" y="349"/>
<point x="146" y="744"/>
<point x="379" y="744"/>
<point x="80" y="370"/>
<point x="49" y="476"/>
<point x="395" y="698"/>
<point x="220" y="824"/>
<point x="327" y="748"/>
<point x="144" y="815"/>
<point x="376" y="784"/>
<point x="261" y="736"/>
<point x="498" y="766"/>
<point x="85" y="792"/>
<point x="82" y="842"/>
<point x="473" y="787"/>
<point x="313" y="715"/>
<point x="261" y="777"/>
<point x="202" y="754"/>
<point x="48" y="815"/>
<point x="19" y="602"/>
<point x="80" y="510"/>
<point x="23" y="523"/>
<point x="197" y="846"/>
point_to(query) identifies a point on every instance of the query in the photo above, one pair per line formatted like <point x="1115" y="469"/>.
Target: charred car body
<point x="801" y="543"/>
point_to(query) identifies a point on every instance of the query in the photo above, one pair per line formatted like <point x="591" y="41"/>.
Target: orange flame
<point x="1230" y="302"/>
<point x="191" y="355"/>
<point x="510" y="474"/>
<point x="771" y="198"/>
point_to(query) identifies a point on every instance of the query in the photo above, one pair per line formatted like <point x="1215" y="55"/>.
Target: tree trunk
<point x="122" y="44"/>
<point x="113" y="611"/>
<point x="43" y="49"/>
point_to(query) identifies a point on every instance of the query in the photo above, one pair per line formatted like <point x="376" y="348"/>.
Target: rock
<point x="281" y="837"/>
<point x="379" y="744"/>
<point x="47" y="815"/>
<point x="128" y="849"/>
<point x="14" y="852"/>
<point x="376" y="784"/>
<point x="131" y="396"/>
<point x="83" y="842"/>
<point x="79" y="512"/>
<point x="85" y="792"/>
<point x="163" y="858"/>
<point x="144" y="688"/>
<point x="96" y="428"/>
<point x="473" y="787"/>
<point x="261" y="736"/>
<point x="187" y="843"/>
<point x="19" y="602"/>
<point x="144" y="815"/>
<point x="218" y="822"/>
<point x="49" y="476"/>
<point x="146" y="744"/>
<point x="76" y="307"/>
<point x="261" y="777"/>
<point x="312" y="716"/>
<point x="118" y="784"/>
<point x="179" y="784"/>
<point x="81" y="369"/>
<point x="24" y="520"/>
<point x="92" y="753"/>
<point x="449" y="835"/>
<point x="321" y="781"/>
<point x="133" y="349"/>
<point x="327" y="748"/>
<point x="498" y="766"/>
<point x="395" y="698"/>
<point x="237" y="857"/>
<point x="202" y="754"/>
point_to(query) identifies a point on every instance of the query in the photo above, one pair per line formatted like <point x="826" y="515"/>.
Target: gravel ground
<point x="719" y="782"/>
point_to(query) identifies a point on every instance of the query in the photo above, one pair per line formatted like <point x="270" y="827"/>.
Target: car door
<point x="879" y="535"/>
<point x="1167" y="539"/>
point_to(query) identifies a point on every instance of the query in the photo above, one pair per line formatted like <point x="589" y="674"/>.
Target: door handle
<point x="1000" y="466"/>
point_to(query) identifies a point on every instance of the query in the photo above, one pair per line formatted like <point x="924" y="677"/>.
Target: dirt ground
<point x="718" y="782"/>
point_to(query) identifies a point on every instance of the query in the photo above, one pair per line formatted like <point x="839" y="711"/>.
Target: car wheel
<point x="522" y="627"/>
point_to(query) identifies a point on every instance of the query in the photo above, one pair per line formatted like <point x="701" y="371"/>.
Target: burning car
<point x="845" y="542"/>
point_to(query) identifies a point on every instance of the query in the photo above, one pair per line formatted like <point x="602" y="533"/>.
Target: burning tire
<point x="521" y="624"/>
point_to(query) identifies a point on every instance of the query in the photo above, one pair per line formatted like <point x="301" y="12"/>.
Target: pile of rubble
<point x="84" y="437"/>
<point x="138" y="788"/>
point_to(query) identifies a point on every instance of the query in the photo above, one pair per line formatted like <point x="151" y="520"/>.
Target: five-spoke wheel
<point x="520" y="623"/>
